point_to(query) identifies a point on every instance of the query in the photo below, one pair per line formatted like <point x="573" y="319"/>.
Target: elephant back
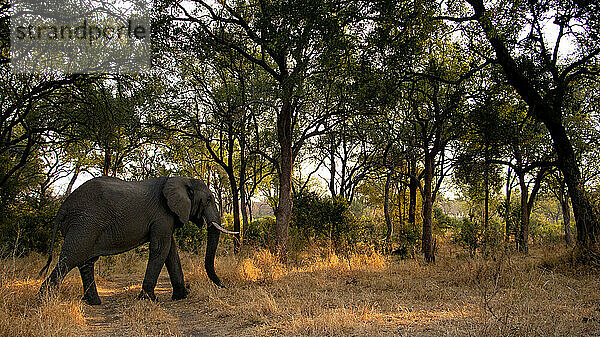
<point x="102" y="199"/>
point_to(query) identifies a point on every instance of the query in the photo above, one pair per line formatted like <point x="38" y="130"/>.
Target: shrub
<point x="318" y="217"/>
<point x="260" y="232"/>
<point x="409" y="237"/>
<point x="442" y="221"/>
<point x="27" y="225"/>
<point x="467" y="234"/>
<point x="190" y="237"/>
<point x="544" y="233"/>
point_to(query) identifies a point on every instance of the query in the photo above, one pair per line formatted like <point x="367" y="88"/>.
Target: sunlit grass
<point x="23" y="313"/>
<point x="323" y="294"/>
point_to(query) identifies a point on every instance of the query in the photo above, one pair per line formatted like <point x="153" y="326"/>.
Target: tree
<point x="290" y="40"/>
<point x="29" y="114"/>
<point x="437" y="121"/>
<point x="544" y="76"/>
<point x="109" y="117"/>
<point x="556" y="185"/>
<point x="501" y="132"/>
<point x="226" y="127"/>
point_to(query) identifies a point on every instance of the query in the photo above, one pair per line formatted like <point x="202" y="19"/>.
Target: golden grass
<point x="22" y="313"/>
<point x="322" y="295"/>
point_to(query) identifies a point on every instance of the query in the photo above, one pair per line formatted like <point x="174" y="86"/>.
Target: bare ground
<point x="118" y="298"/>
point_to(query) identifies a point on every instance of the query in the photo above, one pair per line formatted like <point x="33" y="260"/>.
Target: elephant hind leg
<point x="90" y="293"/>
<point x="56" y="277"/>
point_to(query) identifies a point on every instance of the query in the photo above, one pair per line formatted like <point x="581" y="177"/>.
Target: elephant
<point x="108" y="216"/>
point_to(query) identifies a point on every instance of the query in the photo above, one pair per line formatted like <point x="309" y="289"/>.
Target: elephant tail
<point x="54" y="230"/>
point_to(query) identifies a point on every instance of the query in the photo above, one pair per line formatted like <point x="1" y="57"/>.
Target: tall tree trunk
<point x="585" y="218"/>
<point x="106" y="163"/>
<point x="507" y="206"/>
<point x="401" y="189"/>
<point x="235" y="205"/>
<point x="412" y="196"/>
<point x="243" y="197"/>
<point x="566" y="211"/>
<point x="333" y="168"/>
<point x="386" y="208"/>
<point x="486" y="206"/>
<point x="244" y="206"/>
<point x="220" y="200"/>
<point x="524" y="223"/>
<point x="283" y="212"/>
<point x="427" y="238"/>
<point x="250" y="213"/>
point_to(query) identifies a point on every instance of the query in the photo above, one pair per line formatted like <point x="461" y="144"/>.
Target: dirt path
<point x="121" y="314"/>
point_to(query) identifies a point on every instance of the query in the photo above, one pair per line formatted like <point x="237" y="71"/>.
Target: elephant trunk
<point x="212" y="218"/>
<point x="211" y="249"/>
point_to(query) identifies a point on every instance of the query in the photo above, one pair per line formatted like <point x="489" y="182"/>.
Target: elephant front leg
<point x="175" y="273"/>
<point x="90" y="293"/>
<point x="159" y="249"/>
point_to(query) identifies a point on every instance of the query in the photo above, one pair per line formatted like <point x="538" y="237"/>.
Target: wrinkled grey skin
<point x="107" y="216"/>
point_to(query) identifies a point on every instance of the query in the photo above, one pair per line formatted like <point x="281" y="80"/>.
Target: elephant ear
<point x="178" y="200"/>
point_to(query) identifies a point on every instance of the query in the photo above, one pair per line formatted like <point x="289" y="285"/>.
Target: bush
<point x="260" y="232"/>
<point x="316" y="217"/>
<point x="467" y="234"/>
<point x="442" y="221"/>
<point x="409" y="237"/>
<point x="27" y="225"/>
<point x="544" y="233"/>
<point x="190" y="237"/>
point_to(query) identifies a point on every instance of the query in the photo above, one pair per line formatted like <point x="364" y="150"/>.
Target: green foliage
<point x="320" y="217"/>
<point x="443" y="222"/>
<point x="190" y="237"/>
<point x="260" y="232"/>
<point x="409" y="238"/>
<point x="544" y="233"/>
<point x="27" y="225"/>
<point x="468" y="234"/>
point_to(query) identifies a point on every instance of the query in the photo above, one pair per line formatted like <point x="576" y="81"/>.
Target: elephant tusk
<point x="223" y="229"/>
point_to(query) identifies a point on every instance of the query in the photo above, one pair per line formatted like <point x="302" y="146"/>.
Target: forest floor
<point x="318" y="294"/>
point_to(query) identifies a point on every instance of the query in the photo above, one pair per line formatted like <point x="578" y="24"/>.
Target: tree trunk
<point x="486" y="206"/>
<point x="332" y="169"/>
<point x="386" y="208"/>
<point x="401" y="209"/>
<point x="243" y="197"/>
<point x="220" y="199"/>
<point x="235" y="205"/>
<point x="585" y="218"/>
<point x="524" y="223"/>
<point x="412" y="196"/>
<point x="566" y="211"/>
<point x="283" y="212"/>
<point x="72" y="181"/>
<point x="106" y="164"/>
<point x="250" y="214"/>
<point x="244" y="206"/>
<point x="507" y="206"/>
<point x="427" y="238"/>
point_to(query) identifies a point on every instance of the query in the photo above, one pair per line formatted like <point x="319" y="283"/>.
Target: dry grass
<point x="322" y="295"/>
<point x="22" y="313"/>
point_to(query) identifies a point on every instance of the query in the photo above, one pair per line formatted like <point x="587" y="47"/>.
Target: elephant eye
<point x="190" y="193"/>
